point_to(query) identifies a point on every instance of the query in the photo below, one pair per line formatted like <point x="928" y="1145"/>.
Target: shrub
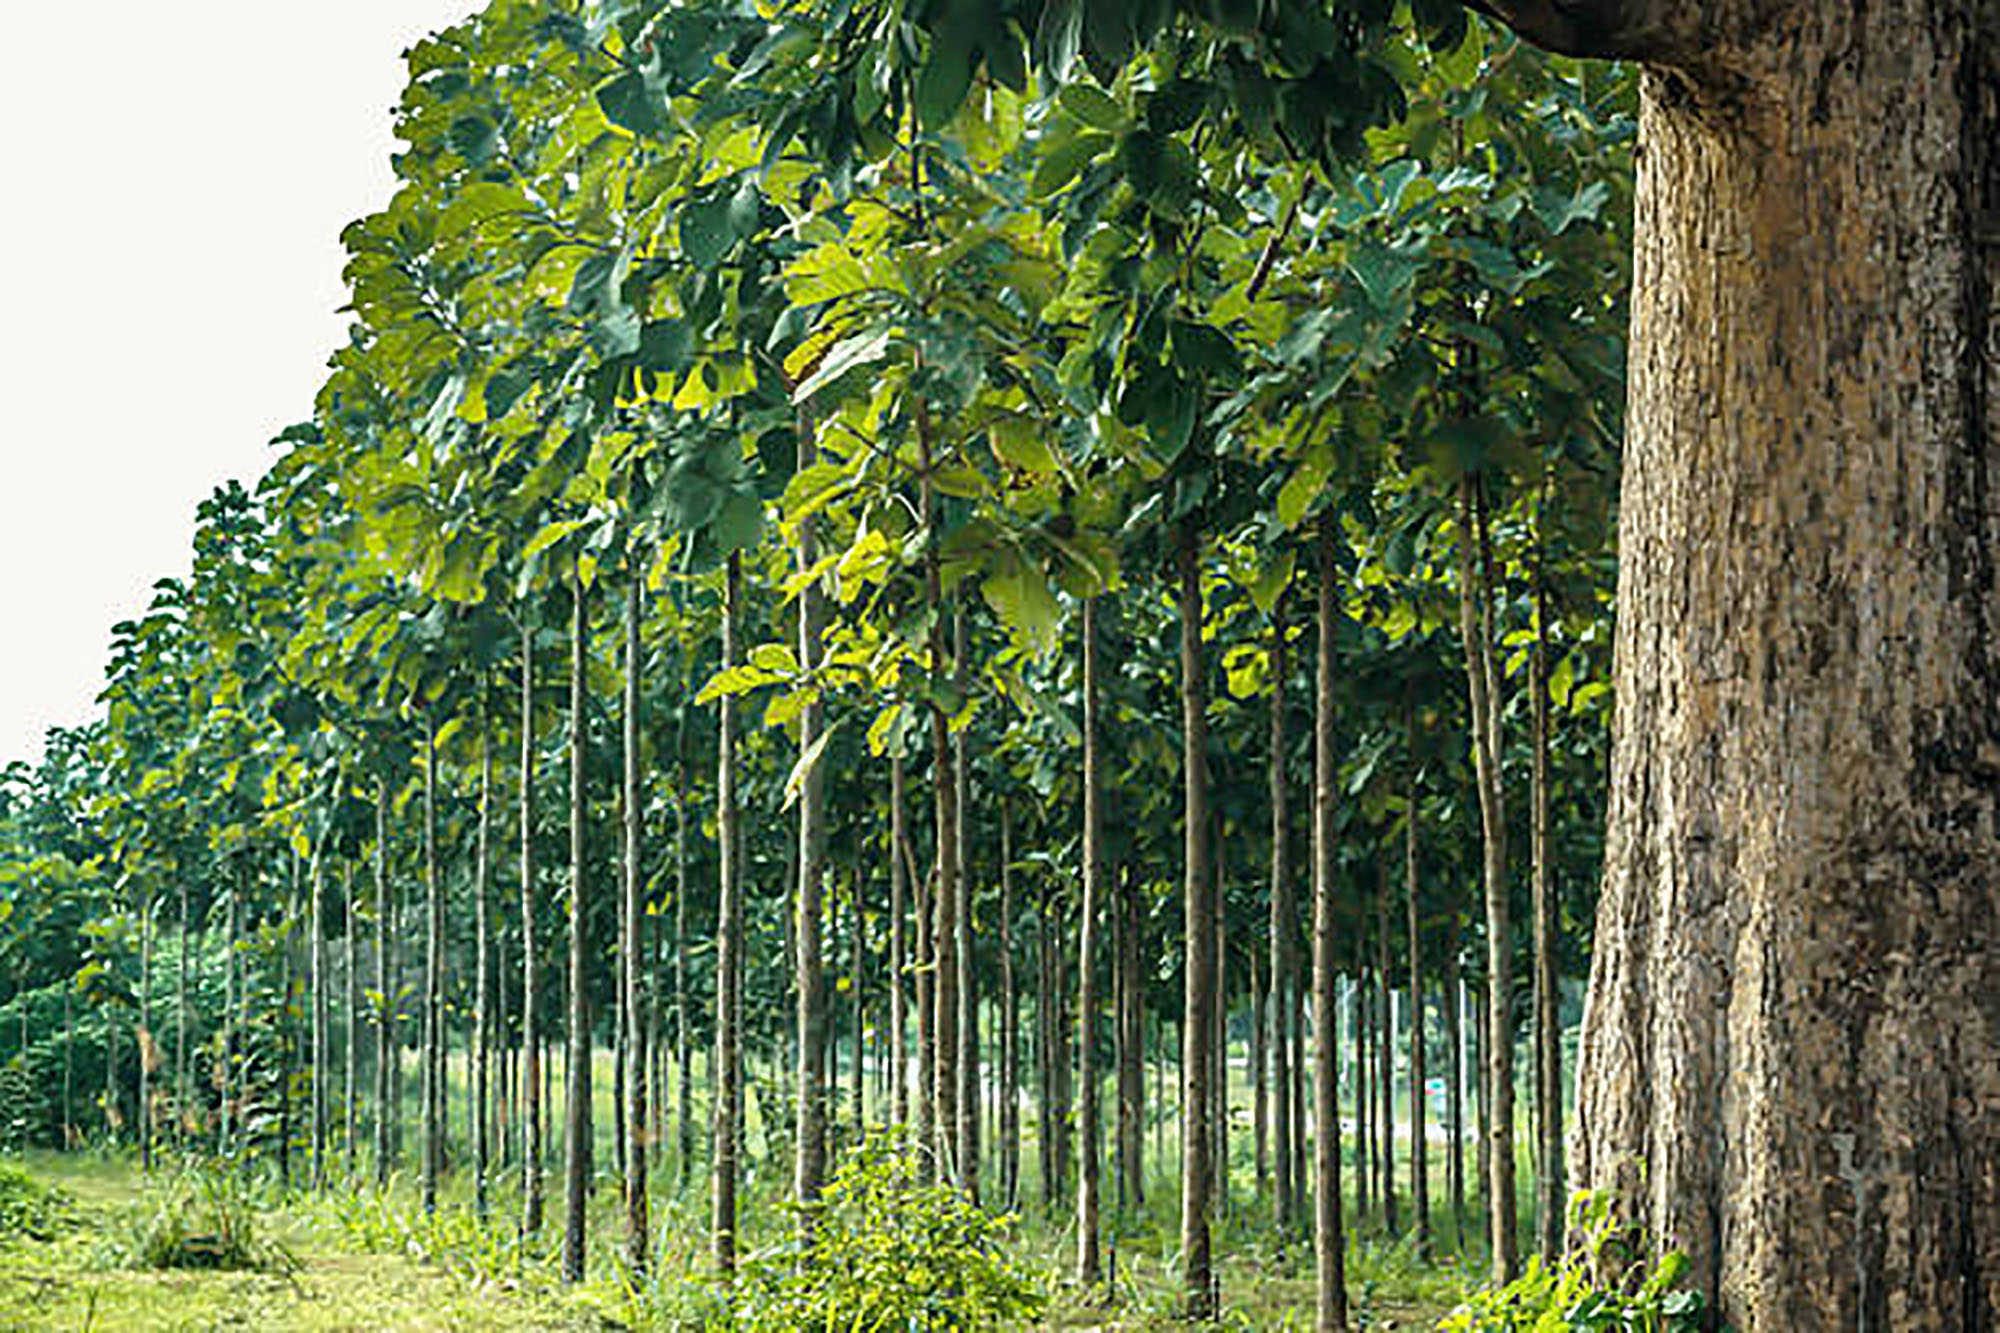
<point x="30" y="1209"/>
<point x="206" y="1218"/>
<point x="1571" y="1296"/>
<point x="888" y="1251"/>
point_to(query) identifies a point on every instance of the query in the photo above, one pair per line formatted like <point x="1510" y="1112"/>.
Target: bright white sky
<point x="173" y="181"/>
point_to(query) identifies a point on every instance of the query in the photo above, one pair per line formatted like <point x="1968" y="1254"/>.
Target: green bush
<point x="1589" y="1290"/>
<point x="888" y="1251"/>
<point x="206" y="1218"/>
<point x="30" y="1209"/>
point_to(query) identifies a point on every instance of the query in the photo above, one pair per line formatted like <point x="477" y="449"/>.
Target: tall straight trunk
<point x="1010" y="1026"/>
<point x="1364" y="1100"/>
<point x="1218" y="1049"/>
<point x="1131" y="1043"/>
<point x="1089" y="1270"/>
<point x="967" y="1149"/>
<point x="385" y="1012"/>
<point x="287" y="1036"/>
<point x="351" y="1086"/>
<point x="482" y="962"/>
<point x="1475" y="601"/>
<point x="858" y="1011"/>
<point x="1420" y="1181"/>
<point x="1330" y="1310"/>
<point x="899" y="1018"/>
<point x="944" y="895"/>
<point x="1197" y="1026"/>
<point x="1454" y="1110"/>
<point x="576" y="1062"/>
<point x="1385" y="1054"/>
<point x="809" y="977"/>
<point x="67" y="1138"/>
<point x="322" y="1057"/>
<point x="1482" y="1104"/>
<point x="1045" y="1045"/>
<point x="683" y="1033"/>
<point x="728" y="1072"/>
<point x="1295" y="1036"/>
<point x="632" y="952"/>
<point x="232" y="989"/>
<point x="1549" y="1193"/>
<point x="1283" y="925"/>
<point x="181" y="1093"/>
<point x="1790" y="1067"/>
<point x="531" y="1035"/>
<point x="433" y="1027"/>
<point x="926" y="979"/>
<point x="1260" y="1067"/>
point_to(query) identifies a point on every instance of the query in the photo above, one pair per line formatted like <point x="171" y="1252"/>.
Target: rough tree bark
<point x="1791" y="1020"/>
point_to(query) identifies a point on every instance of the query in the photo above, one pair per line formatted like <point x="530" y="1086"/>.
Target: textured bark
<point x="632" y="953"/>
<point x="1284" y="926"/>
<point x="531" y="1045"/>
<point x="1197" y="1026"/>
<point x="1329" y="1248"/>
<point x="728" y="960"/>
<point x="576" y="1060"/>
<point x="1475" y="609"/>
<point x="1089" y="1269"/>
<point x="1791" y="1060"/>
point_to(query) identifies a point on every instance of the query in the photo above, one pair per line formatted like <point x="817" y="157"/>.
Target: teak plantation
<point x="976" y="663"/>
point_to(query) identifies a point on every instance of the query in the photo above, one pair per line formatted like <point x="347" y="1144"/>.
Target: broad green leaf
<point x="1092" y="106"/>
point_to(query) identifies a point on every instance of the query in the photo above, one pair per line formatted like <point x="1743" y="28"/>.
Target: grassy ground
<point x="361" y="1262"/>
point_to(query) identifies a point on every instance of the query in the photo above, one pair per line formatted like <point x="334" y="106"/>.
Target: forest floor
<point x="337" y="1265"/>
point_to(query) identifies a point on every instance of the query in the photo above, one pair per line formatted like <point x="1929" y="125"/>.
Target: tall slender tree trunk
<point x="1010" y="1025"/>
<point x="1549" y="1192"/>
<point x="1476" y="628"/>
<point x="683" y="1033"/>
<point x="351" y="1084"/>
<point x="1329" y="1246"/>
<point x="728" y="958"/>
<point x="1454" y="1110"/>
<point x="143" y="1041"/>
<point x="809" y="979"/>
<point x="1420" y="1181"/>
<point x="433" y="1035"/>
<point x="1089" y="1269"/>
<point x="181" y="1090"/>
<point x="1132" y="1043"/>
<point x="1283" y="927"/>
<point x="858" y="1012"/>
<point x="531" y="1034"/>
<point x="899" y="1018"/>
<point x="386" y="1060"/>
<point x="1260" y="1068"/>
<point x="1364" y="1101"/>
<point x="964" y="950"/>
<point x="632" y="953"/>
<point x="322" y="1055"/>
<point x="482" y="962"/>
<point x="1197" y="1026"/>
<point x="1218" y="1048"/>
<point x="1385" y="1052"/>
<point x="576" y="1062"/>
<point x="944" y="896"/>
<point x="232" y="989"/>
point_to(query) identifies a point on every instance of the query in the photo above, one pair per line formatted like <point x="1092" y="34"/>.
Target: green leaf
<point x="705" y="231"/>
<point x="775" y="658"/>
<point x="550" y="535"/>
<point x="1018" y="442"/>
<point x="803" y="769"/>
<point x="1062" y="163"/>
<point x="1092" y="106"/>
<point x="1302" y="489"/>
<point x="629" y="104"/>
<point x="947" y="72"/>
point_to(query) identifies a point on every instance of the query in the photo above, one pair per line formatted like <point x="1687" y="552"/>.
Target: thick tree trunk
<point x="1197" y="1026"/>
<point x="1329" y="1246"/>
<point x="576" y="1062"/>
<point x="1089" y="1269"/>
<point x="531" y="1037"/>
<point x="1791" y="1061"/>
<point x="632" y="952"/>
<point x="728" y="959"/>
